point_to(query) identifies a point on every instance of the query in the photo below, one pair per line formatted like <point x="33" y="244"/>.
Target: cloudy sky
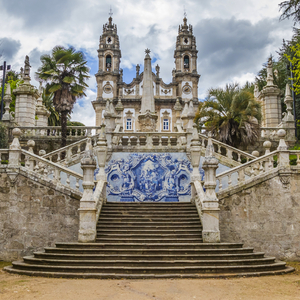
<point x="234" y="37"/>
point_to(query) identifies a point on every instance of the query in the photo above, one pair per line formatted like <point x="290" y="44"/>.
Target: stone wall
<point x="265" y="214"/>
<point x="34" y="215"/>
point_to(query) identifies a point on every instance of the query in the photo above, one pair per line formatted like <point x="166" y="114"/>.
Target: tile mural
<point x="152" y="177"/>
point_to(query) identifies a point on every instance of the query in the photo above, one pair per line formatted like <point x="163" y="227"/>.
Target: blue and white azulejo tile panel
<point x="148" y="177"/>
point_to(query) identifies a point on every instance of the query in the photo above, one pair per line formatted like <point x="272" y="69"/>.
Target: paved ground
<point x="267" y="288"/>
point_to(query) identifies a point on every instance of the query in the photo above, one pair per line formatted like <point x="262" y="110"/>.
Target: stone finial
<point x="119" y="106"/>
<point x="42" y="152"/>
<point x="88" y="158"/>
<point x="209" y="152"/>
<point x="267" y="145"/>
<point x="15" y="149"/>
<point x="7" y="100"/>
<point x="270" y="73"/>
<point x="288" y="100"/>
<point x="30" y="144"/>
<point x="195" y="141"/>
<point x="177" y="105"/>
<point x="255" y="153"/>
<point x="281" y="133"/>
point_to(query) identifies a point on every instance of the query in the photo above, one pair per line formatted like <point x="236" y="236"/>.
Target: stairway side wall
<point x="34" y="216"/>
<point x="264" y="215"/>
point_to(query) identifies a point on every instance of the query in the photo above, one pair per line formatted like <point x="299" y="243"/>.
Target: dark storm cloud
<point x="229" y="47"/>
<point x="8" y="48"/>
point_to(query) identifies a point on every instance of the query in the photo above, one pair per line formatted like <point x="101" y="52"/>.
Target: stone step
<point x="172" y="205"/>
<point x="149" y="270"/>
<point x="149" y="256"/>
<point x="146" y="235"/>
<point x="149" y="210"/>
<point x="148" y="227"/>
<point x="148" y="219"/>
<point x="146" y="263"/>
<point x="209" y="246"/>
<point x="114" y="231"/>
<point x="148" y="240"/>
<point x="147" y="223"/>
<point x="149" y="216"/>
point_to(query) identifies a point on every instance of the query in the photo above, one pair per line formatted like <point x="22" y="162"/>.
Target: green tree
<point x="231" y="114"/>
<point x="290" y="9"/>
<point x="65" y="72"/>
<point x="54" y="118"/>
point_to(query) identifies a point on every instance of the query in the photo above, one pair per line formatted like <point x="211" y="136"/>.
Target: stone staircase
<point x="148" y="240"/>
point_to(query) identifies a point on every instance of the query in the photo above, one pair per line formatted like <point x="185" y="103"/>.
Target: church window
<point x="129" y="124"/>
<point x="186" y="62"/>
<point x="108" y="61"/>
<point x="109" y="40"/>
<point x="166" y="124"/>
<point x="186" y="40"/>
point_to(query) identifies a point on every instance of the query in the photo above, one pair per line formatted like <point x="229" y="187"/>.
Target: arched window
<point x="108" y="61"/>
<point x="186" y="62"/>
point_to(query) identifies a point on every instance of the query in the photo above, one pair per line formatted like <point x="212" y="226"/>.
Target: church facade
<point x="147" y="104"/>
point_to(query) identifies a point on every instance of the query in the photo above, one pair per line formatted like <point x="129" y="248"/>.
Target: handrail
<point x="99" y="196"/>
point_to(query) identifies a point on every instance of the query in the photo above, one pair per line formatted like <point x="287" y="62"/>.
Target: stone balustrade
<point x="270" y="133"/>
<point x="55" y="131"/>
<point x="226" y="154"/>
<point x="247" y="171"/>
<point x="148" y="141"/>
<point x="72" y="153"/>
<point x="52" y="171"/>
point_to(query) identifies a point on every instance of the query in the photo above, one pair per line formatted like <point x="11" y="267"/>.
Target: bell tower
<point x="185" y="54"/>
<point x="109" y="55"/>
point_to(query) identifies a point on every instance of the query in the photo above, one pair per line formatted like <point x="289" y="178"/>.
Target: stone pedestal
<point x="210" y="206"/>
<point x="87" y="211"/>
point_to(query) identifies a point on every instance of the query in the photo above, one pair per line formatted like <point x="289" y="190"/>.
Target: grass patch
<point x="4" y="264"/>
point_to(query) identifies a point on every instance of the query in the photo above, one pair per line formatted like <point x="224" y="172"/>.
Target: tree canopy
<point x="231" y="114"/>
<point x="290" y="9"/>
<point x="65" y="72"/>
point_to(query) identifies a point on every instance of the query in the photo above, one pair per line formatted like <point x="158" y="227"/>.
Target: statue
<point x="27" y="67"/>
<point x="41" y="88"/>
<point x="256" y="90"/>
<point x="157" y="68"/>
<point x="137" y="70"/>
<point x="121" y="75"/>
<point x="21" y="73"/>
<point x="270" y="72"/>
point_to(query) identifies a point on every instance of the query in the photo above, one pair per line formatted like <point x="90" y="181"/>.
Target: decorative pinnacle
<point x="147" y="51"/>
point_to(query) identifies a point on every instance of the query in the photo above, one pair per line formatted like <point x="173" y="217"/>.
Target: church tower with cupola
<point x="185" y="54"/>
<point x="109" y="73"/>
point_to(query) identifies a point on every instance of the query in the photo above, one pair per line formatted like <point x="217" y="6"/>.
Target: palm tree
<point x="65" y="73"/>
<point x="54" y="118"/>
<point x="231" y="114"/>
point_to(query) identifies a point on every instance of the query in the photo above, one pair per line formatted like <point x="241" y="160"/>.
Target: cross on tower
<point x="185" y="14"/>
<point x="110" y="12"/>
<point x="147" y="51"/>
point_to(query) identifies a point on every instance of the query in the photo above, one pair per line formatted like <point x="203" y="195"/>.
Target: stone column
<point x="41" y="112"/>
<point x="87" y="211"/>
<point x="288" y="120"/>
<point x="15" y="150"/>
<point x="26" y="95"/>
<point x="210" y="206"/>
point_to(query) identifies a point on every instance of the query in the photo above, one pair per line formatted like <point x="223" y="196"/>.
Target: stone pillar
<point x="195" y="154"/>
<point x="41" y="112"/>
<point x="288" y="120"/>
<point x="101" y="152"/>
<point x="15" y="150"/>
<point x="283" y="155"/>
<point x="210" y="206"/>
<point x="87" y="211"/>
<point x="26" y="95"/>
<point x="270" y="100"/>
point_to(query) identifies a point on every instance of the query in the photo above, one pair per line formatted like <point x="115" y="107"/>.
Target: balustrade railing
<point x="55" y="131"/>
<point x="72" y="152"/>
<point x="247" y="171"/>
<point x="52" y="171"/>
<point x="227" y="151"/>
<point x="175" y="140"/>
